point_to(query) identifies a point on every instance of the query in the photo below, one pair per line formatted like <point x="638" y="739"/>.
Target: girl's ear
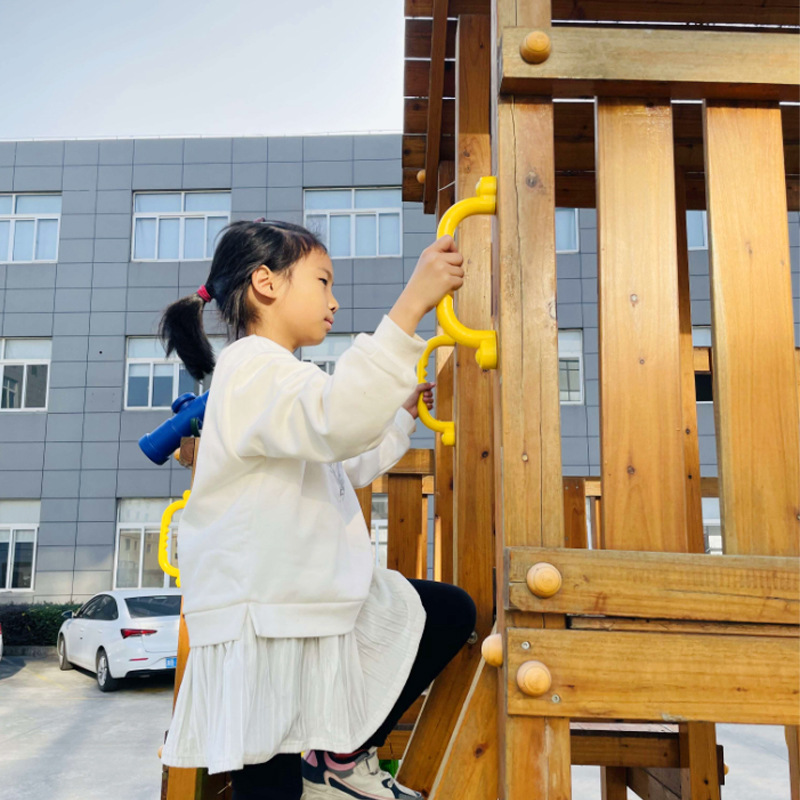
<point x="264" y="281"/>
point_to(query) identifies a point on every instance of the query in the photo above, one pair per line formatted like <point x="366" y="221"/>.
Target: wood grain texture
<point x="435" y="96"/>
<point x="407" y="546"/>
<point x="616" y="676"/>
<point x="758" y="440"/>
<point x="575" y="531"/>
<point x="641" y="444"/>
<point x="684" y="65"/>
<point x="752" y="589"/>
<point x="699" y="772"/>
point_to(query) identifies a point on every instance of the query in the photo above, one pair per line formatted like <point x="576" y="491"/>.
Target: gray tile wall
<point x="82" y="454"/>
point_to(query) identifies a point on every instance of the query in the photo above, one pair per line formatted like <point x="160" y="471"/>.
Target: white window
<point x="570" y="366"/>
<point x="19" y="526"/>
<point x="703" y="382"/>
<point x="379" y="529"/>
<point x="24" y="374"/>
<point x="356" y="223"/>
<point x="567" y="238"/>
<point x="152" y="380"/>
<point x="697" y="230"/>
<point x="712" y="525"/>
<point x="29" y="227"/>
<point x="701" y="335"/>
<point x="326" y="354"/>
<point x="138" y="530"/>
<point x="178" y="226"/>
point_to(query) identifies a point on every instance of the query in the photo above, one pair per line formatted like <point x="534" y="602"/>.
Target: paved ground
<point x="63" y="739"/>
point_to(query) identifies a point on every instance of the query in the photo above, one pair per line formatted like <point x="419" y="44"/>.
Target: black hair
<point x="243" y="247"/>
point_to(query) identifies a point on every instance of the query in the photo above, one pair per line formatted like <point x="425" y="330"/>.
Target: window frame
<point x="577" y="232"/>
<point x="14" y="217"/>
<point x="353" y="212"/>
<point x="327" y="359"/>
<point x="24" y="362"/>
<point x="182" y="216"/>
<point x="173" y="360"/>
<point x="704" y="246"/>
<point x="143" y="528"/>
<point x="568" y="354"/>
<point x="13" y="528"/>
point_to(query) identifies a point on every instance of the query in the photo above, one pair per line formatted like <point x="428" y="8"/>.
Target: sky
<point x="85" y="68"/>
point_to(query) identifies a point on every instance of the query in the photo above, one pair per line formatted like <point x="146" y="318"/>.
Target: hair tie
<point x="204" y="293"/>
<point x="260" y="219"/>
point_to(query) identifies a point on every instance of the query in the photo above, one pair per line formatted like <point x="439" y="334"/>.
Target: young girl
<point x="298" y="642"/>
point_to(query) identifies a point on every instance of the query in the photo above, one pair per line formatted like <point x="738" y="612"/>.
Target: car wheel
<point x="63" y="662"/>
<point x="104" y="680"/>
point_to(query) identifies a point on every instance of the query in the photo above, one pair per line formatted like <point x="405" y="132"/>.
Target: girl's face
<point x="295" y="310"/>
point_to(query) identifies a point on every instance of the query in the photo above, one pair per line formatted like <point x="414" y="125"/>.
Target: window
<point x="567" y="240"/>
<point x="570" y="366"/>
<point x="24" y="370"/>
<point x="712" y="525"/>
<point x="106" y="609"/>
<point x="326" y="354"/>
<point x="19" y="525"/>
<point x="178" y="226"/>
<point x="379" y="530"/>
<point x="152" y="380"/>
<point x="29" y="227"/>
<point x="138" y="526"/>
<point x="697" y="230"/>
<point x="157" y="605"/>
<point x="356" y="223"/>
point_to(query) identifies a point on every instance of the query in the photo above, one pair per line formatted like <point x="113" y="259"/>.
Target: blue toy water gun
<point x="189" y="412"/>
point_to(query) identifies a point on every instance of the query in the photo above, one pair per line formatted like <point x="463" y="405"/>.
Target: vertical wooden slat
<point x="365" y="501"/>
<point x="435" y="94"/>
<point x="755" y="393"/>
<point x="642" y="449"/>
<point x="755" y="397"/>
<point x="613" y="783"/>
<point x="575" y="512"/>
<point x="407" y="545"/>
<point x="472" y="473"/>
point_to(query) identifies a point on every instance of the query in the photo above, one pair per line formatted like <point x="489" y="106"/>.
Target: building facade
<point x="98" y="236"/>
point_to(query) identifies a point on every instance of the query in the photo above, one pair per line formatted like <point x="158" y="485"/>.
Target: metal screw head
<point x="473" y="637"/>
<point x="555" y="698"/>
<point x="526" y="645"/>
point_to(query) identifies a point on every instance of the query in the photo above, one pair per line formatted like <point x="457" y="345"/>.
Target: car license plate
<point x="172" y="662"/>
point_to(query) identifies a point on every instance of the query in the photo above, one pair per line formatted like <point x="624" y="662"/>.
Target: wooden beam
<point x="613" y="748"/>
<point x="435" y="95"/>
<point x="643" y="625"/>
<point x="418" y="38"/>
<point x="417" y="79"/>
<point x="407" y="548"/>
<point x="414" y="151"/>
<point x="415" y="116"/>
<point x="660" y="585"/>
<point x="614" y="675"/>
<point x="684" y="65"/>
<point x="575" y="531"/>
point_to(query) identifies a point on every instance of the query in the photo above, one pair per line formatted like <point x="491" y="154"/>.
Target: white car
<point x="122" y="633"/>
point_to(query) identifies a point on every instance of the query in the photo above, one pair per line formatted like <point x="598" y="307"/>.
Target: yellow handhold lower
<point x="163" y="539"/>
<point x="447" y="429"/>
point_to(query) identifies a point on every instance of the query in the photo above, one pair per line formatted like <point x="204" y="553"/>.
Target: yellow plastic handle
<point x="163" y="539"/>
<point x="447" y="429"/>
<point x="485" y="342"/>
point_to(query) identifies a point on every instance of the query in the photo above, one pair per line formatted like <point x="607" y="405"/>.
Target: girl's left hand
<point x="424" y="389"/>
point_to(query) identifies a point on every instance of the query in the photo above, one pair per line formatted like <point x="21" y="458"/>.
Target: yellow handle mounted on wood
<point x="163" y="539"/>
<point x="484" y="342"/>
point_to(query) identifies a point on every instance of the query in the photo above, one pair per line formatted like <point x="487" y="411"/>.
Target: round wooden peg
<point x="421" y="176"/>
<point x="543" y="579"/>
<point x="534" y="678"/>
<point x="535" y="47"/>
<point x="492" y="650"/>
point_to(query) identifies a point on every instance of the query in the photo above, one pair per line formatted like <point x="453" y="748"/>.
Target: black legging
<point x="449" y="623"/>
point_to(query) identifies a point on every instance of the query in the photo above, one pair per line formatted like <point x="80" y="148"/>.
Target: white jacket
<point x="273" y="527"/>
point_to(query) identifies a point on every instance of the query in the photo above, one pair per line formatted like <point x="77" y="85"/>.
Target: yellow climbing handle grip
<point x="447" y="429"/>
<point x="163" y="539"/>
<point x="484" y="342"/>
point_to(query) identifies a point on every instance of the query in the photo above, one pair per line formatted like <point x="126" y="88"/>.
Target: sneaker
<point x="362" y="778"/>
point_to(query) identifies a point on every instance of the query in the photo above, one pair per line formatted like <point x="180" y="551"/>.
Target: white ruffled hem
<point x="244" y="701"/>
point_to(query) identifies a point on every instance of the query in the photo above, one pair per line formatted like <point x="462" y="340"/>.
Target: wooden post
<point x="473" y="544"/>
<point x="407" y="548"/>
<point x="575" y="512"/>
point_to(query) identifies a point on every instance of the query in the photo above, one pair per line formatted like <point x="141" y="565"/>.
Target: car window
<point x="90" y="609"/>
<point x="157" y="605"/>
<point x="107" y="610"/>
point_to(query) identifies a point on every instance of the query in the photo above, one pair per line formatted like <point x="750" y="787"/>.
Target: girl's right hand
<point x="438" y="273"/>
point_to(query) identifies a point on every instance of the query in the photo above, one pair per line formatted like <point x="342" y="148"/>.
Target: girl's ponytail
<point x="181" y="329"/>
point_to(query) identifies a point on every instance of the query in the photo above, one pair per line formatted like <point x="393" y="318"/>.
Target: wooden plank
<point x="763" y="589"/>
<point x="381" y="485"/>
<point x="365" y="501"/>
<point x="695" y="540"/>
<point x="407" y="545"/>
<point x="575" y="512"/>
<point x="469" y="764"/>
<point x="758" y="440"/>
<point x="414" y="151"/>
<point x="640" y="401"/>
<point x="418" y="38"/>
<point x="699" y="775"/>
<point x="417" y="79"/>
<point x="740" y="12"/>
<point x="612" y="783"/>
<point x="614" y="675"/>
<point x="685" y="65"/>
<point x="594" y="623"/>
<point x="793" y="746"/>
<point x="435" y="95"/>
<point x="645" y="785"/>
<point x="609" y="748"/>
<point x="473" y="545"/>
<point x="415" y="115"/>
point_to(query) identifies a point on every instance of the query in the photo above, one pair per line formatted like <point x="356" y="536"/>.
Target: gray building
<point x="98" y="236"/>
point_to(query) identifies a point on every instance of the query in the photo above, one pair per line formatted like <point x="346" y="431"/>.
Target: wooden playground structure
<point x="613" y="641"/>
